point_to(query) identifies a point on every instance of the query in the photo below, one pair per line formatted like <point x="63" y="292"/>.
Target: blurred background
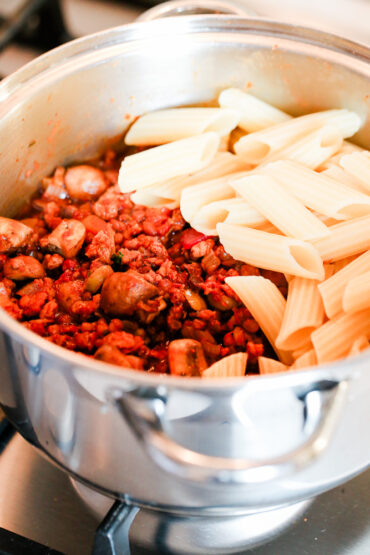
<point x="30" y="27"/>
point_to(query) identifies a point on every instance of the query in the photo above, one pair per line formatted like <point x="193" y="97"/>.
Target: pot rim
<point x="186" y="24"/>
<point x="162" y="28"/>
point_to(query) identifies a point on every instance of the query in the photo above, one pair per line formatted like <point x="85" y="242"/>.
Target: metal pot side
<point x="178" y="444"/>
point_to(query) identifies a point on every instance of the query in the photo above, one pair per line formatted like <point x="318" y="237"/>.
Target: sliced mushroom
<point x="85" y="182"/>
<point x="186" y="357"/>
<point x="66" y="239"/>
<point x="221" y="302"/>
<point x="68" y="293"/>
<point x="13" y="234"/>
<point x="122" y="291"/>
<point x="23" y="267"/>
<point x="196" y="302"/>
<point x="112" y="355"/>
<point x="97" y="278"/>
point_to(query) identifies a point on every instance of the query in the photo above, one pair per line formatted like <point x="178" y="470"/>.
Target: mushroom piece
<point x="186" y="357"/>
<point x="68" y="293"/>
<point x="112" y="355"/>
<point x="122" y="291"/>
<point x="66" y="239"/>
<point x="97" y="278"/>
<point x="85" y="182"/>
<point x="13" y="234"/>
<point x="23" y="267"/>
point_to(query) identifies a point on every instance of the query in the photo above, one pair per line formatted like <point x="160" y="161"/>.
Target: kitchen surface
<point x="41" y="510"/>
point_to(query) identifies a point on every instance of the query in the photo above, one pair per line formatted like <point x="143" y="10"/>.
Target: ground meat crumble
<point x="102" y="276"/>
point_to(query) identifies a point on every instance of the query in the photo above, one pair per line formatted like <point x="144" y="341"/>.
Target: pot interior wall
<point x="84" y="101"/>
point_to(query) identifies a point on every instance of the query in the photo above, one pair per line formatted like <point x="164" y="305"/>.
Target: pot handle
<point x="195" y="7"/>
<point x="145" y="414"/>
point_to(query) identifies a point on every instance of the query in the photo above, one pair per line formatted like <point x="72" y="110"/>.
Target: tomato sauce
<point x="117" y="281"/>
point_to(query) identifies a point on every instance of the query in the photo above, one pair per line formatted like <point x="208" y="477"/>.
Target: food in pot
<point x="185" y="258"/>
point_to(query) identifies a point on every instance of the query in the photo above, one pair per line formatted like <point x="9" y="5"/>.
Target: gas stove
<point x="43" y="512"/>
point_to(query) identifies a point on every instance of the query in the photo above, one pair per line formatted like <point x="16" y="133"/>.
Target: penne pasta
<point x="163" y="162"/>
<point x="271" y="366"/>
<point x="168" y="193"/>
<point x="302" y="350"/>
<point x="319" y="192"/>
<point x="279" y="207"/>
<point x="271" y="252"/>
<point x="234" y="210"/>
<point x="268" y="227"/>
<point x="334" y="339"/>
<point x="312" y="149"/>
<point x="266" y="304"/>
<point x="305" y="360"/>
<point x="339" y="174"/>
<point x="346" y="148"/>
<point x="256" y="147"/>
<point x="195" y="197"/>
<point x="147" y="198"/>
<point x="332" y="289"/>
<point x="254" y="114"/>
<point x="232" y="366"/>
<point x="357" y="164"/>
<point x="346" y="239"/>
<point x="303" y="314"/>
<point x="360" y="344"/>
<point x="356" y="295"/>
<point x="165" y="126"/>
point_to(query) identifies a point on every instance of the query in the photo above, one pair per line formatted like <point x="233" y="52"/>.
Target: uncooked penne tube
<point x="255" y="147"/>
<point x="271" y="252"/>
<point x="346" y="148"/>
<point x="282" y="209"/>
<point x="332" y="289"/>
<point x="224" y="163"/>
<point x="339" y="174"/>
<point x="304" y="361"/>
<point x="303" y="314"/>
<point x="360" y="344"/>
<point x="302" y="350"/>
<point x="358" y="165"/>
<point x="164" y="126"/>
<point x="319" y="192"/>
<point x="146" y="198"/>
<point x="163" y="162"/>
<point x="195" y="197"/>
<point x="334" y="339"/>
<point x="232" y="366"/>
<point x="255" y="114"/>
<point x="234" y="210"/>
<point x="168" y="192"/>
<point x="271" y="366"/>
<point x="312" y="149"/>
<point x="268" y="227"/>
<point x="346" y="239"/>
<point x="356" y="295"/>
<point x="266" y="304"/>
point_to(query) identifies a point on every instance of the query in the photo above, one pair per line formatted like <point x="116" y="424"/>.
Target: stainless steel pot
<point x="172" y="443"/>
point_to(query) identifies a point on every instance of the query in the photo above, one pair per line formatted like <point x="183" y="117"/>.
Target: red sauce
<point x="121" y="281"/>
